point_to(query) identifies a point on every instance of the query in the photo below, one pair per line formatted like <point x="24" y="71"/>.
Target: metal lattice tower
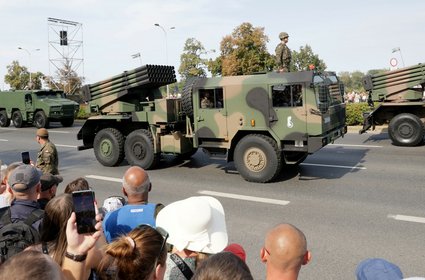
<point x="66" y="56"/>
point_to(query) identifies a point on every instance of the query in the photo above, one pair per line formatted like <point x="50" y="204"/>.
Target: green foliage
<point x="302" y="60"/>
<point x="243" y="52"/>
<point x="352" y="81"/>
<point x="83" y="112"/>
<point x="191" y="63"/>
<point x="355" y="112"/>
<point x="18" y="77"/>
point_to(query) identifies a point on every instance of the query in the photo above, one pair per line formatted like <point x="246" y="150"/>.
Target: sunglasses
<point x="161" y="231"/>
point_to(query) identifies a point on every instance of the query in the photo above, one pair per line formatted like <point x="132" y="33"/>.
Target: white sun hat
<point x="196" y="223"/>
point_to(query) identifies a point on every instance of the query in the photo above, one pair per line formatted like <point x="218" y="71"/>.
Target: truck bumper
<point x="315" y="143"/>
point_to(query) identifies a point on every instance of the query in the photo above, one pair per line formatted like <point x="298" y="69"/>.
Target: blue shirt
<point x="20" y="210"/>
<point x="126" y="218"/>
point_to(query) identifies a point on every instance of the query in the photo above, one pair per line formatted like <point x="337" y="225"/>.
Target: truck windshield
<point x="48" y="94"/>
<point x="329" y="91"/>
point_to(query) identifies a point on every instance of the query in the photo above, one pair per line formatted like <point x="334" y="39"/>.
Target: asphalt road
<point x="358" y="198"/>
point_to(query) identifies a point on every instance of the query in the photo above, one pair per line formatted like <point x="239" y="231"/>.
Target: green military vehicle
<point x="261" y="122"/>
<point x="399" y="96"/>
<point x="37" y="107"/>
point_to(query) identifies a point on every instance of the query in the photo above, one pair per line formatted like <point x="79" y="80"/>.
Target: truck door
<point x="288" y="103"/>
<point x="210" y="119"/>
<point x="28" y="103"/>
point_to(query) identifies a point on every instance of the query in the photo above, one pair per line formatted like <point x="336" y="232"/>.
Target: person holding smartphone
<point x="47" y="157"/>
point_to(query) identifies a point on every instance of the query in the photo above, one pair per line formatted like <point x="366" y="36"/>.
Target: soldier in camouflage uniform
<point x="283" y="53"/>
<point x="47" y="157"/>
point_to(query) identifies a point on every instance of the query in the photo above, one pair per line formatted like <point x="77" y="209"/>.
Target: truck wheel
<point x="4" y="120"/>
<point x="257" y="158"/>
<point x="17" y="119"/>
<point x="139" y="149"/>
<point x="406" y="130"/>
<point x="40" y="120"/>
<point x="67" y="122"/>
<point x="109" y="146"/>
<point x="187" y="100"/>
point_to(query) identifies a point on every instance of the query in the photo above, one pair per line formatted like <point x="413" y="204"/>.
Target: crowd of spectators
<point x="355" y="97"/>
<point x="136" y="239"/>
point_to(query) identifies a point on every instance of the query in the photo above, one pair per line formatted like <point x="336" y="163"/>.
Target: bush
<point x="355" y="113"/>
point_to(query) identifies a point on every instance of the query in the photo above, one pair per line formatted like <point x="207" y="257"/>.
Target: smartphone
<point x="84" y="210"/>
<point x="25" y="157"/>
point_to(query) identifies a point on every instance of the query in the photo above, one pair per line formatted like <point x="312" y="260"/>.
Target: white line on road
<point x="353" y="145"/>
<point x="336" y="166"/>
<point x="245" y="197"/>
<point x="407" y="218"/>
<point x="4" y="140"/>
<point x="6" y="128"/>
<point x="66" y="146"/>
<point x="104" y="178"/>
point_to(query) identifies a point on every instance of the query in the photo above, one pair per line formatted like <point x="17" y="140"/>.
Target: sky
<point x="347" y="35"/>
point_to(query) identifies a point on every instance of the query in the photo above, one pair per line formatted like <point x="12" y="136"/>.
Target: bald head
<point x="136" y="181"/>
<point x="285" y="249"/>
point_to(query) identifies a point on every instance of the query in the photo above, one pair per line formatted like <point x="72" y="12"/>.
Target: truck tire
<point x="41" y="120"/>
<point x="139" y="149"/>
<point x="4" y="120"/>
<point x="257" y="158"/>
<point x="406" y="130"/>
<point x="17" y="119"/>
<point x="109" y="146"/>
<point x="187" y="99"/>
<point x="67" y="122"/>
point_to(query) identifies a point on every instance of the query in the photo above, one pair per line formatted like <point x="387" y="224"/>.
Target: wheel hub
<point x="106" y="147"/>
<point x="405" y="131"/>
<point x="255" y="159"/>
<point x="138" y="151"/>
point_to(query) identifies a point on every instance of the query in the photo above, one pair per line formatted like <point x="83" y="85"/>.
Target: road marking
<point x="336" y="166"/>
<point x="59" y="131"/>
<point x="245" y="197"/>
<point x="353" y="145"/>
<point x="104" y="178"/>
<point x="407" y="218"/>
<point x="4" y="140"/>
<point x="66" y="146"/>
<point x="6" y="128"/>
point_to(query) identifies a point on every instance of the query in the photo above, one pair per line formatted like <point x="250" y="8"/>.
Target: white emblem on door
<point x="289" y="122"/>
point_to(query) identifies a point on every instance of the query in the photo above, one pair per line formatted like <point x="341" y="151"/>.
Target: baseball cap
<point x="236" y="249"/>
<point x="48" y="180"/>
<point x="112" y="203"/>
<point x="24" y="177"/>
<point x="378" y="269"/>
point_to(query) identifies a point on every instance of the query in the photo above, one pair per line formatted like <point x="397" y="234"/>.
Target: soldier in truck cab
<point x="206" y="101"/>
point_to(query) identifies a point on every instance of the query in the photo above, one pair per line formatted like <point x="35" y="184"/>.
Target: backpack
<point x="15" y="237"/>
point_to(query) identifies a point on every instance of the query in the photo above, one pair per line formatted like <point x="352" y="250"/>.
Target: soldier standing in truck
<point x="283" y="53"/>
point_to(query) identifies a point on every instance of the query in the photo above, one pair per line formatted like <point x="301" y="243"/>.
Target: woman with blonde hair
<point x="141" y="254"/>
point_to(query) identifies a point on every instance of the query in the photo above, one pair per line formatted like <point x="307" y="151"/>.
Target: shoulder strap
<point x="5" y="216"/>
<point x="35" y="215"/>
<point x="182" y="265"/>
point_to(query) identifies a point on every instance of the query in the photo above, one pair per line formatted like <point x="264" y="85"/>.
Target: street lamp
<point x="399" y="50"/>
<point x="166" y="49"/>
<point x="29" y="67"/>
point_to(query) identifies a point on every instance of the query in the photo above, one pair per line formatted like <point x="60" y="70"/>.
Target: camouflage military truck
<point x="36" y="107"/>
<point x="261" y="122"/>
<point x="399" y="96"/>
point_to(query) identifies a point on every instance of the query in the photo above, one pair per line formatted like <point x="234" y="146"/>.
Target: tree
<point x="352" y="81"/>
<point x="302" y="60"/>
<point x="243" y="52"/>
<point x="68" y="80"/>
<point x="18" y="77"/>
<point x="191" y="63"/>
